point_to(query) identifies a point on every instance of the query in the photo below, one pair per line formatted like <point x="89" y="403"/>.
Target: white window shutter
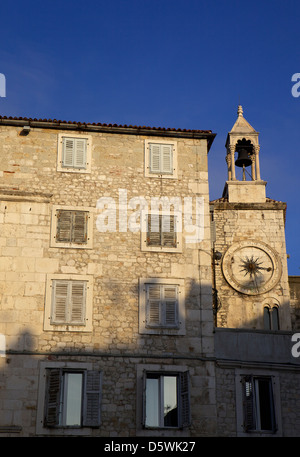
<point x="60" y="294"/>
<point x="52" y="400"/>
<point x="92" y="399"/>
<point x="184" y="396"/>
<point x="155" y="158"/>
<point x="68" y="302"/>
<point x="77" y="302"/>
<point x="80" y="153"/>
<point x="68" y="152"/>
<point x="161" y="158"/>
<point x="74" y="152"/>
<point x="167" y="158"/>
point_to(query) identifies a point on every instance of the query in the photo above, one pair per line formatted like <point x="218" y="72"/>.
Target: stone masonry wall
<point x="286" y="406"/>
<point x="260" y="222"/>
<point x="116" y="260"/>
<point x="30" y="186"/>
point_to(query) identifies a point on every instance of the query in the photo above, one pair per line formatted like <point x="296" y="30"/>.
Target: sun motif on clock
<point x="251" y="267"/>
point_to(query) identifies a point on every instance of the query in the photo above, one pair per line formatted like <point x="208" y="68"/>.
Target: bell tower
<point x="249" y="253"/>
<point x="242" y="148"/>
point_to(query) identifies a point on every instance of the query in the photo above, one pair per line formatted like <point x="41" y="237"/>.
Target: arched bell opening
<point x="245" y="158"/>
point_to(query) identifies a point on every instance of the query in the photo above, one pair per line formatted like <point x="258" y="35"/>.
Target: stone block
<point x="46" y="265"/>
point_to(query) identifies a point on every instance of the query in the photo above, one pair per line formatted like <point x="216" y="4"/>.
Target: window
<point x="160" y="159"/>
<point x="74" y="153"/>
<point x="161" y="232"/>
<point x="72" y="398"/>
<point x="162" y="305"/>
<point x="72" y="227"/>
<point x="166" y="402"/>
<point x="271" y="318"/>
<point x="258" y="403"/>
<point x="162" y="308"/>
<point x="68" y="305"/>
<point x="68" y="302"/>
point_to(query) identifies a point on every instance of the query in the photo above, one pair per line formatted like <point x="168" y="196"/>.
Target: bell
<point x="243" y="159"/>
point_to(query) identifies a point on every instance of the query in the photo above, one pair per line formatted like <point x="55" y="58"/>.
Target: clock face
<point x="251" y="267"/>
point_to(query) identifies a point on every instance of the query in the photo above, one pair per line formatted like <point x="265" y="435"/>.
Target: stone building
<point x="257" y="372"/>
<point x="124" y="311"/>
<point x="106" y="303"/>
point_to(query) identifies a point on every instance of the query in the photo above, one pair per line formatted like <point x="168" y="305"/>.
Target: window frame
<point x="49" y="322"/>
<point x="91" y="399"/>
<point x="147" y="159"/>
<point x="60" y="153"/>
<point x="183" y="396"/>
<point x="89" y="227"/>
<point x="270" y="317"/>
<point x="145" y="215"/>
<point x="161" y="329"/>
<point x="273" y="378"/>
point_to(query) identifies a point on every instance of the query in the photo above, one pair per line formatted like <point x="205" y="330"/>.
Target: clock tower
<point x="249" y="252"/>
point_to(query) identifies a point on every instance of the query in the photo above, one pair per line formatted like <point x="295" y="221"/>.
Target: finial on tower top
<point x="240" y="110"/>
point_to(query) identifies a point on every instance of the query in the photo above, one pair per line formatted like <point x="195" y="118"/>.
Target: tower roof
<point x="241" y="128"/>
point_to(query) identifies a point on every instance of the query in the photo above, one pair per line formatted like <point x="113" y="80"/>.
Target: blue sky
<point x="165" y="63"/>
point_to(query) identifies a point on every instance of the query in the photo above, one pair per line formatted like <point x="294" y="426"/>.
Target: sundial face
<point x="251" y="267"/>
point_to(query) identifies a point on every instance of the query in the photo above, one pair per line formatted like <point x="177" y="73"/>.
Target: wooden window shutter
<point x="153" y="311"/>
<point x="161" y="305"/>
<point x="60" y="298"/>
<point x="184" y="398"/>
<point x="168" y="230"/>
<point x="92" y="399"/>
<point x="71" y="226"/>
<point x="52" y="401"/>
<point x="161" y="230"/>
<point x="144" y="412"/>
<point x="154" y="230"/>
<point x="77" y="302"/>
<point x="248" y="403"/>
<point x="170" y="306"/>
<point x="64" y="226"/>
<point x="79" y="227"/>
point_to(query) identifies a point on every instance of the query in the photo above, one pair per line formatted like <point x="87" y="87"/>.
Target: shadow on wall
<point x="118" y="349"/>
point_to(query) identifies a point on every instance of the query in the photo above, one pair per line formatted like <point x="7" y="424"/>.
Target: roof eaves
<point x="112" y="128"/>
